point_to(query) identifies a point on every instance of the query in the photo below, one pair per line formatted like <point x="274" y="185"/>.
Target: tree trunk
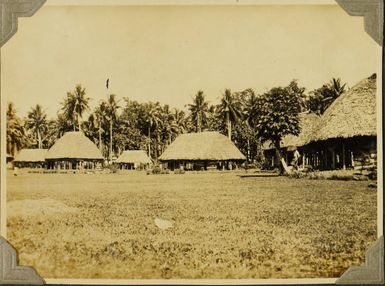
<point x="149" y="142"/>
<point x="199" y="123"/>
<point x="79" y="122"/>
<point x="228" y="124"/>
<point x="278" y="155"/>
<point x="100" y="140"/>
<point x="111" y="141"/>
<point x="39" y="139"/>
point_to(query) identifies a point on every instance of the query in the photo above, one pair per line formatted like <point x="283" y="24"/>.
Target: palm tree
<point x="111" y="115"/>
<point x="37" y="123"/>
<point x="74" y="105"/>
<point x="231" y="108"/>
<point x="251" y="106"/>
<point x="335" y="90"/>
<point x="15" y="130"/>
<point x="199" y="110"/>
<point x="153" y="119"/>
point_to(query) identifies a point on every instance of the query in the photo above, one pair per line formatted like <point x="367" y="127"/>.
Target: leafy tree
<point x="74" y="106"/>
<point x="37" y="123"/>
<point x="231" y="109"/>
<point x="15" y="131"/>
<point x="198" y="111"/>
<point x="278" y="115"/>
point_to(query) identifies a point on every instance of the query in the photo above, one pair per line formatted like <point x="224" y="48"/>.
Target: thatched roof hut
<point x="308" y="124"/>
<point x="74" y="145"/>
<point x="352" y="114"/>
<point x="134" y="157"/>
<point x="203" y="146"/>
<point x="31" y="155"/>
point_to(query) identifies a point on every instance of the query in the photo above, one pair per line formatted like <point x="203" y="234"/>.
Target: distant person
<point x="295" y="161"/>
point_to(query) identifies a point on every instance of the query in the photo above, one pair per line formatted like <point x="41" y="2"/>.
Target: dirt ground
<point x="222" y="226"/>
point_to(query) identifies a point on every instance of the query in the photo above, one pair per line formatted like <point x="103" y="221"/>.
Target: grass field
<point x="224" y="226"/>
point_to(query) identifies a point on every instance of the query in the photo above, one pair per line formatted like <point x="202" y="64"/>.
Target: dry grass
<point x="223" y="226"/>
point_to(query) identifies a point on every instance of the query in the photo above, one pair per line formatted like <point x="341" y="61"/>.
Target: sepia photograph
<point x="191" y="141"/>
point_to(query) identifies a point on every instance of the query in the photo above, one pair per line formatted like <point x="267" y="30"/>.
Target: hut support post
<point x="333" y="159"/>
<point x="343" y="157"/>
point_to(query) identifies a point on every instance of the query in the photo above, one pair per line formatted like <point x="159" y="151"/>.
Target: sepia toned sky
<point x="167" y="53"/>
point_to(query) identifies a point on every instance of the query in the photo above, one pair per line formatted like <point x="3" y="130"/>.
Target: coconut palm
<point x="111" y="115"/>
<point x="335" y="90"/>
<point x="74" y="106"/>
<point x="37" y="123"/>
<point x="251" y="106"/>
<point x="153" y="120"/>
<point x="230" y="108"/>
<point x="15" y="130"/>
<point x="199" y="110"/>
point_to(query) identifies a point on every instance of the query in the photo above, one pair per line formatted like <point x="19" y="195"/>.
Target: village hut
<point x="74" y="151"/>
<point x="346" y="136"/>
<point x="308" y="123"/>
<point x="133" y="159"/>
<point x="30" y="158"/>
<point x="343" y="137"/>
<point x="201" y="150"/>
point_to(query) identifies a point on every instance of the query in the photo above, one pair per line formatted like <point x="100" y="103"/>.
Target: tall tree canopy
<point x="278" y="114"/>
<point x="15" y="131"/>
<point x="320" y="99"/>
<point x="37" y="123"/>
<point x="199" y="111"/>
<point x="231" y="110"/>
<point x="74" y="105"/>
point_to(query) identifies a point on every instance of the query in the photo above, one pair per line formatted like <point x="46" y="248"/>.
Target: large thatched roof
<point x="134" y="156"/>
<point x="211" y="146"/>
<point x="31" y="155"/>
<point x="74" y="145"/>
<point x="352" y="114"/>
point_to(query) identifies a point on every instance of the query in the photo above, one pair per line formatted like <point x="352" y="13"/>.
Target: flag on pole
<point x="108" y="83"/>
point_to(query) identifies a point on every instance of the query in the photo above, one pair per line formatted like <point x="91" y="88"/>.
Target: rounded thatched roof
<point x="134" y="156"/>
<point x="203" y="146"/>
<point x="31" y="155"/>
<point x="352" y="114"/>
<point x="74" y="145"/>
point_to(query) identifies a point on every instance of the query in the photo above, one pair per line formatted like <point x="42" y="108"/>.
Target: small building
<point x="196" y="151"/>
<point x="74" y="151"/>
<point x="30" y="158"/>
<point x="133" y="159"/>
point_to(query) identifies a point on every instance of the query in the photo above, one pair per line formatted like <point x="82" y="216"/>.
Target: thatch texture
<point x="203" y="146"/>
<point x="134" y="157"/>
<point x="31" y="155"/>
<point x="308" y="124"/>
<point x="352" y="114"/>
<point x="74" y="145"/>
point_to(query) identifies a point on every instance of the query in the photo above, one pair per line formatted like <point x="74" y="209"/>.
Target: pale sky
<point x="167" y="53"/>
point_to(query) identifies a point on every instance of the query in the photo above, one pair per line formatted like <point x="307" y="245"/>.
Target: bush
<point x="158" y="170"/>
<point x="112" y="168"/>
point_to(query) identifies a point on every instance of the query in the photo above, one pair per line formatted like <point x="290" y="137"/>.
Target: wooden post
<point x="343" y="157"/>
<point x="333" y="158"/>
